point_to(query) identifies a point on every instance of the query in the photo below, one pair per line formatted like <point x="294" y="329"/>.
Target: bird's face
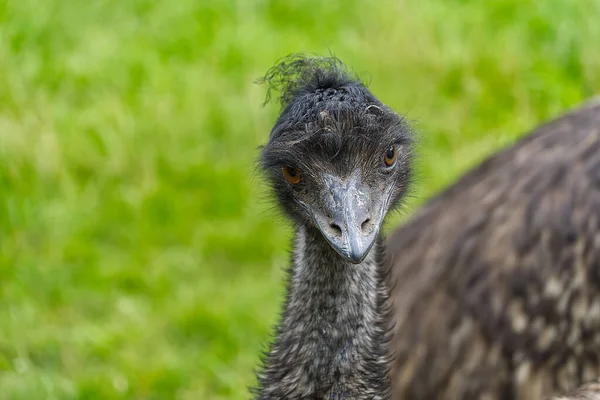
<point x="342" y="174"/>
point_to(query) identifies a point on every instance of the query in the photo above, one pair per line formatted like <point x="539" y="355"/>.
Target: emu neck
<point x="332" y="339"/>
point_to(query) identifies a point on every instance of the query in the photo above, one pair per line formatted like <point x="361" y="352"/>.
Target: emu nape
<point x="493" y="285"/>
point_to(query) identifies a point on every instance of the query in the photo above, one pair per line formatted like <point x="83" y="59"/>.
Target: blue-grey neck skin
<point x="331" y="342"/>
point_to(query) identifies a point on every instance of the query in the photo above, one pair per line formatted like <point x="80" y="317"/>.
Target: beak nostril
<point x="336" y="229"/>
<point x="366" y="225"/>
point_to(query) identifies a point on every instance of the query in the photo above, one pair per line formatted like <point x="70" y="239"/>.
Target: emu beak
<point x="351" y="218"/>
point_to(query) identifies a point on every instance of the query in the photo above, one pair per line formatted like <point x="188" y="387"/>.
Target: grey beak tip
<point x="355" y="252"/>
<point x="356" y="258"/>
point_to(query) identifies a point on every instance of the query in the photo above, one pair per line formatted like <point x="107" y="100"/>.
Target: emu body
<point x="497" y="279"/>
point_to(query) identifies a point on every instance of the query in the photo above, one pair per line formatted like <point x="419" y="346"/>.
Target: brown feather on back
<point x="590" y="391"/>
<point x="497" y="279"/>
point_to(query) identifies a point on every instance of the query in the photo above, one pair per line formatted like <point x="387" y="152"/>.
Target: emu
<point x="489" y="292"/>
<point x="497" y="279"/>
<point x="338" y="160"/>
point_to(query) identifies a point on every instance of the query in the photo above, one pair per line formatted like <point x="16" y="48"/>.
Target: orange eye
<point x="292" y="175"/>
<point x="390" y="156"/>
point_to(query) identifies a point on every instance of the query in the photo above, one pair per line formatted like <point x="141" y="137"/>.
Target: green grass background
<point x="140" y="257"/>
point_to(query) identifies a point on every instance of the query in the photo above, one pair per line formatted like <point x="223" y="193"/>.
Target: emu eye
<point x="390" y="156"/>
<point x="292" y="175"/>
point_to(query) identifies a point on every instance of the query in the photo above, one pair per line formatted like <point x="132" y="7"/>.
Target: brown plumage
<point x="590" y="391"/>
<point x="497" y="279"/>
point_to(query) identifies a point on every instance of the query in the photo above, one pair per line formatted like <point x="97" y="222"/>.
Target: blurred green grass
<point x="140" y="256"/>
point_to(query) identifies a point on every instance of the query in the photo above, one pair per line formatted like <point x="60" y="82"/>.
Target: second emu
<point x="497" y="290"/>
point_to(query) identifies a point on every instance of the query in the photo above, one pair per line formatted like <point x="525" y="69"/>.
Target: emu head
<point x="338" y="159"/>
